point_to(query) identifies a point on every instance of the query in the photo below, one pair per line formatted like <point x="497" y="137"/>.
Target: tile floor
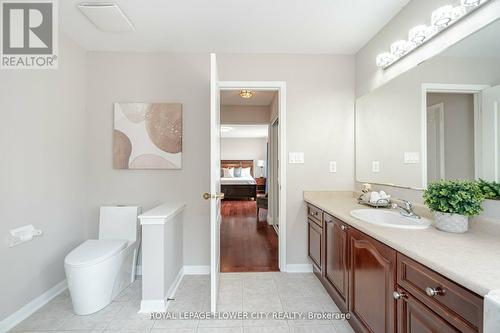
<point x="260" y="292"/>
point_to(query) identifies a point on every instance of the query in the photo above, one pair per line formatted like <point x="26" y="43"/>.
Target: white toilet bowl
<point x="99" y="269"/>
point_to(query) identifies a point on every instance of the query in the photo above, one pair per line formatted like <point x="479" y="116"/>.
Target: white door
<point x="214" y="196"/>
<point x="490" y="134"/>
<point x="435" y="143"/>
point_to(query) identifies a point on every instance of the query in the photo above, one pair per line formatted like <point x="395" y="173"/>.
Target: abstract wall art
<point x="147" y="136"/>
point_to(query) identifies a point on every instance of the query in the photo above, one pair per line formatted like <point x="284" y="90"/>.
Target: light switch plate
<point x="296" y="158"/>
<point x="412" y="157"/>
<point x="333" y="166"/>
<point x="375" y="166"/>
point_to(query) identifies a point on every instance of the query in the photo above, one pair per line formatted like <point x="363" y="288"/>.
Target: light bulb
<point x="442" y="16"/>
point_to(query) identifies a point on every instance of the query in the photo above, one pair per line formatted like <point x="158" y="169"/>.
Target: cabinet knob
<point x="433" y="292"/>
<point x="344" y="227"/>
<point x="399" y="295"/>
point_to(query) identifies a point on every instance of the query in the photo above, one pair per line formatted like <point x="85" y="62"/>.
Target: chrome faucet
<point x="406" y="209"/>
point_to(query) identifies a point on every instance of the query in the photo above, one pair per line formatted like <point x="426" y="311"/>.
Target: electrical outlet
<point x="375" y="166"/>
<point x="333" y="166"/>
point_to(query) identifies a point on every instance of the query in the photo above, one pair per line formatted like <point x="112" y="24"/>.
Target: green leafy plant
<point x="490" y="190"/>
<point x="454" y="197"/>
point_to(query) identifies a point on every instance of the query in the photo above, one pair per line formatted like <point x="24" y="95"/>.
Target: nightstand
<point x="261" y="185"/>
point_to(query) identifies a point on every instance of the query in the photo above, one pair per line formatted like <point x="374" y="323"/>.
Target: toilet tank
<point x="119" y="222"/>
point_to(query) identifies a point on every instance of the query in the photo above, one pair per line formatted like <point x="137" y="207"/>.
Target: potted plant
<point x="490" y="190"/>
<point x="453" y="202"/>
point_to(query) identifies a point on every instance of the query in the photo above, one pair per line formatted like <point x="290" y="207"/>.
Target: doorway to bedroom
<point x="249" y="240"/>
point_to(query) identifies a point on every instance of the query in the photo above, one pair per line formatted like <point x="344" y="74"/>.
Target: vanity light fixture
<point x="441" y="18"/>
<point x="246" y="94"/>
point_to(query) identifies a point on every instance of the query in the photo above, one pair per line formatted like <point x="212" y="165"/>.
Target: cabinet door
<point x="372" y="282"/>
<point x="314" y="246"/>
<point x="415" y="317"/>
<point x="335" y="256"/>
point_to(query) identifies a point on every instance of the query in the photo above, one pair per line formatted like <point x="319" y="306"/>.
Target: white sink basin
<point x="391" y="219"/>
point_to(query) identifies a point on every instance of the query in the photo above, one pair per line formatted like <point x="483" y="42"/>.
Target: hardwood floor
<point x="247" y="245"/>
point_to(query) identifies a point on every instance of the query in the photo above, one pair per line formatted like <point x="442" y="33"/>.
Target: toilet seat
<point x="94" y="251"/>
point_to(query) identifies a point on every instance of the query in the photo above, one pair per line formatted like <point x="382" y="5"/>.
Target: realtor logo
<point x="29" y="34"/>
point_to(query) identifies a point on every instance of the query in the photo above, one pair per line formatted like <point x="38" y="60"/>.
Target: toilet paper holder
<point x="23" y="234"/>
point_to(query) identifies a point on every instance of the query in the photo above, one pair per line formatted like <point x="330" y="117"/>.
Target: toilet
<point x="99" y="269"/>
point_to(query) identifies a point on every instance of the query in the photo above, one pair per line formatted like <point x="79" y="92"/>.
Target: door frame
<point x="474" y="89"/>
<point x="280" y="87"/>
<point x="442" y="162"/>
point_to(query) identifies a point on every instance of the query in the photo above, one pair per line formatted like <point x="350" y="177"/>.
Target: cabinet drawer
<point x="459" y="306"/>
<point x="315" y="214"/>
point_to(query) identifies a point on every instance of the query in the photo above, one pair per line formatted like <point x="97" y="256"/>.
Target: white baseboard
<point x="33" y="306"/>
<point x="196" y="270"/>
<point x="269" y="220"/>
<point x="298" y="268"/>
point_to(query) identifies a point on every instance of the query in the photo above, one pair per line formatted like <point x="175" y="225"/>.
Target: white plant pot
<point x="451" y="222"/>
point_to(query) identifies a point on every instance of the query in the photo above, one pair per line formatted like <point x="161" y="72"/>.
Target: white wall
<point x="182" y="78"/>
<point x="458" y="133"/>
<point x="42" y="173"/>
<point x="320" y="123"/>
<point x="245" y="149"/>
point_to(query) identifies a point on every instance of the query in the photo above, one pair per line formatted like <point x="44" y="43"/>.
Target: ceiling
<point x="232" y="97"/>
<point x="482" y="44"/>
<point x="244" y="131"/>
<point x="232" y="26"/>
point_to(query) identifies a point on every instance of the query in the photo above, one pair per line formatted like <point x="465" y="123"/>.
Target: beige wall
<point x="122" y="77"/>
<point x="244" y="149"/>
<point x="42" y="173"/>
<point x="244" y="114"/>
<point x="320" y="123"/>
<point x="458" y="133"/>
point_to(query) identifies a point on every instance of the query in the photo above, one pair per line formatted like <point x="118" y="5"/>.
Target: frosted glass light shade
<point x="385" y="59"/>
<point x="260" y="163"/>
<point x="470" y="3"/>
<point x="400" y="47"/>
<point x="442" y="16"/>
<point x="417" y="34"/>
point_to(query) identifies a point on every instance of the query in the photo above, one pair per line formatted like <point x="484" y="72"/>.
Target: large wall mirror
<point x="440" y="120"/>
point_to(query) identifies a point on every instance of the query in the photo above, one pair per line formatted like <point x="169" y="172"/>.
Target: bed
<point x="239" y="187"/>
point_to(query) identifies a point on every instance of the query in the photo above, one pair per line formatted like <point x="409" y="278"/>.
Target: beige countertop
<point x="471" y="259"/>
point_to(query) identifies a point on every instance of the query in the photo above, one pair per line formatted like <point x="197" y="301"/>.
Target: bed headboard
<point x="237" y="164"/>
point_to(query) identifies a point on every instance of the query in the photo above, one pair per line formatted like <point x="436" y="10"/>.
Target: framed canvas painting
<point x="147" y="136"/>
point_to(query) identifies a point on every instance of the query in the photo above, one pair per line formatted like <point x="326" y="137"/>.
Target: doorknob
<point x="208" y="196"/>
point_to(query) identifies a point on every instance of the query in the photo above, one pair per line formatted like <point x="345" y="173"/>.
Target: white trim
<point x="138" y="270"/>
<point x="269" y="219"/>
<point x="299" y="268"/>
<point x="196" y="270"/>
<point x="495" y="135"/>
<point x="280" y="86"/>
<point x="33" y="306"/>
<point x="442" y="88"/>
<point x="153" y="305"/>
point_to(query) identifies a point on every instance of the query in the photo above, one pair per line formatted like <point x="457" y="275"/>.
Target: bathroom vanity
<point x="395" y="280"/>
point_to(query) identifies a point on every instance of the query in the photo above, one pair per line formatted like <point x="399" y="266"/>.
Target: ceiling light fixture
<point x="441" y="19"/>
<point x="246" y="94"/>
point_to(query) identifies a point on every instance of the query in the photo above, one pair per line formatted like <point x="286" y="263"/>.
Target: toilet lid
<point x="94" y="251"/>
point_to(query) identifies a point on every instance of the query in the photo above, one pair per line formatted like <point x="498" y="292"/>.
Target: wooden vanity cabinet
<point x="335" y="265"/>
<point x="372" y="282"/>
<point x="383" y="290"/>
